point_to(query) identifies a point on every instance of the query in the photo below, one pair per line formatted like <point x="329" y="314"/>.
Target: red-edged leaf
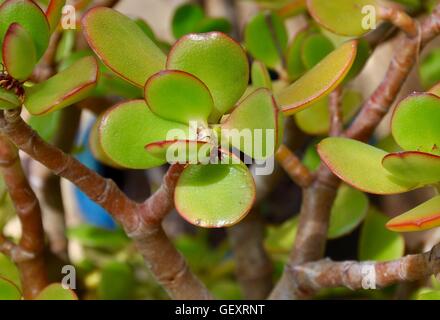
<point x="54" y="12"/>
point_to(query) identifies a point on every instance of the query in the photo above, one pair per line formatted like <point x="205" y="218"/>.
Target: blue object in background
<point x="90" y="211"/>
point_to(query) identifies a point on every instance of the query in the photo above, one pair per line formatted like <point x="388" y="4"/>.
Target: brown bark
<point x="140" y="220"/>
<point x="293" y="167"/>
<point x="31" y="263"/>
<point x="313" y="276"/>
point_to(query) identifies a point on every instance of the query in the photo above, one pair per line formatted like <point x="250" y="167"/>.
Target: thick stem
<point x="293" y="167"/>
<point x="335" y="111"/>
<point x="32" y="265"/>
<point x="313" y="276"/>
<point x="139" y="220"/>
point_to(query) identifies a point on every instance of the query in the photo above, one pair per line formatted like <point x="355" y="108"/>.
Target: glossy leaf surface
<point x="122" y="45"/>
<point x="424" y="216"/>
<point x="178" y="96"/>
<point x="19" y="54"/>
<point x="63" y="89"/>
<point x="360" y="165"/>
<point x="415" y="123"/>
<point x="8" y="100"/>
<point x="215" y="195"/>
<point x="260" y="75"/>
<point x="55" y="291"/>
<point x="30" y="17"/>
<point x="315" y="47"/>
<point x="419" y="167"/>
<point x="318" y="81"/>
<point x="344" y="17"/>
<point x="126" y="128"/>
<point x="181" y="151"/>
<point x="218" y="61"/>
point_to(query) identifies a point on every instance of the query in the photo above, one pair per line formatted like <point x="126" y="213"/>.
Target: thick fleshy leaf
<point x="215" y="195"/>
<point x="122" y="45"/>
<point x="362" y="55"/>
<point x="424" y="216"/>
<point x="8" y="291"/>
<point x="260" y="75"/>
<point x="55" y="291"/>
<point x="348" y="211"/>
<point x="178" y="96"/>
<point x="181" y="151"/>
<point x="253" y="126"/>
<point x="19" y="55"/>
<point x="95" y="145"/>
<point x="8" y="100"/>
<point x="9" y="271"/>
<point x="360" y="165"/>
<point x="218" y="61"/>
<point x="54" y="12"/>
<point x="30" y="17"/>
<point x="315" y="48"/>
<point x="376" y="242"/>
<point x="186" y="18"/>
<point x="292" y="8"/>
<point x="295" y="65"/>
<point x="265" y="37"/>
<point x="414" y="166"/>
<point x="415" y="123"/>
<point x="315" y="120"/>
<point x="280" y="239"/>
<point x="213" y="24"/>
<point x="318" y="81"/>
<point x="344" y="17"/>
<point x="311" y="157"/>
<point x="65" y="88"/>
<point x="126" y="128"/>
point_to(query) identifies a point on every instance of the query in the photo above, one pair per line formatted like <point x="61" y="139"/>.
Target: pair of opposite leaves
<point x="206" y="74"/>
<point x="25" y="31"/>
<point x="415" y="128"/>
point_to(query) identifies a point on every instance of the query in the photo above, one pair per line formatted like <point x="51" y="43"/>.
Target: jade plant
<point x="249" y="123"/>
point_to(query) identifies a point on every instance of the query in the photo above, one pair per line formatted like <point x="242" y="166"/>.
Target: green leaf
<point x="126" y="128"/>
<point x="95" y="145"/>
<point x="55" y="291"/>
<point x="19" y="55"/>
<point x="215" y="195"/>
<point x="122" y="45"/>
<point x="315" y="120"/>
<point x="8" y="291"/>
<point x="360" y="165"/>
<point x="65" y="46"/>
<point x="95" y="237"/>
<point x="315" y="48"/>
<point x="348" y="211"/>
<point x="414" y="166"/>
<point x="185" y="19"/>
<point x="253" y="126"/>
<point x="424" y="216"/>
<point x="7" y="210"/>
<point x="260" y="75"/>
<point x="280" y="239"/>
<point x="178" y="96"/>
<point x="429" y="69"/>
<point x="213" y="24"/>
<point x="429" y="295"/>
<point x="318" y="81"/>
<point x="362" y="56"/>
<point x="265" y="37"/>
<point x="342" y="17"/>
<point x="218" y="61"/>
<point x="30" y="17"/>
<point x="117" y="282"/>
<point x="9" y="271"/>
<point x="376" y="242"/>
<point x="8" y="100"/>
<point x="45" y="125"/>
<point x="415" y="123"/>
<point x="54" y="12"/>
<point x="63" y="89"/>
<point x="295" y="65"/>
<point x="181" y="151"/>
<point x="311" y="157"/>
